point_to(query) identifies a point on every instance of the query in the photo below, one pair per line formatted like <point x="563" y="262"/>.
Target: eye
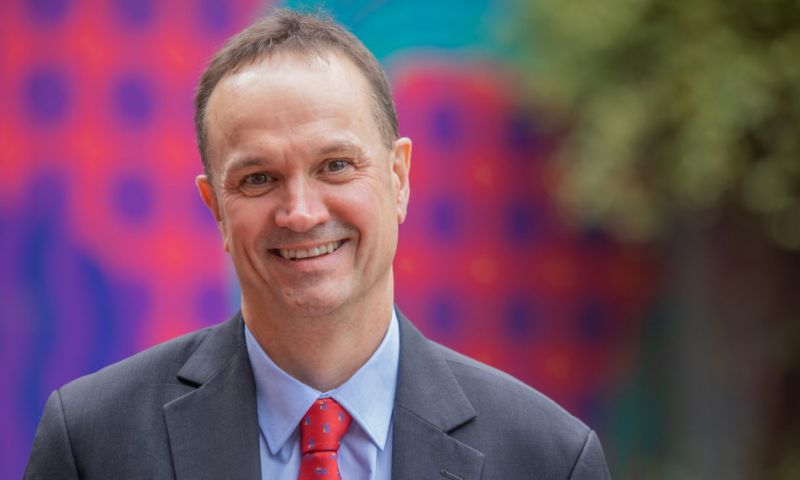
<point x="257" y="179"/>
<point x="336" y="165"/>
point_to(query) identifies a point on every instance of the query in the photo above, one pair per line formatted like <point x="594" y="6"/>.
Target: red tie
<point x="321" y="432"/>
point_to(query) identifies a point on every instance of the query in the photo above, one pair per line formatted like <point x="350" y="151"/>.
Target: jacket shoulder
<point x="482" y="382"/>
<point x="515" y="421"/>
<point x="88" y="420"/>
<point x="156" y="365"/>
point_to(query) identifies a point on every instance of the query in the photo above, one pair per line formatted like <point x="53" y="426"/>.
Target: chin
<point x="314" y="304"/>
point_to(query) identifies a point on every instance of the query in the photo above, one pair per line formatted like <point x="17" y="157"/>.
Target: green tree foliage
<point x="671" y="108"/>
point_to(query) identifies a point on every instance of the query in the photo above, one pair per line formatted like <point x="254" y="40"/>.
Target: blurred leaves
<point x="671" y="108"/>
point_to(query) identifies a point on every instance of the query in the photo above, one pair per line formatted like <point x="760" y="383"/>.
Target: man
<point x="318" y="376"/>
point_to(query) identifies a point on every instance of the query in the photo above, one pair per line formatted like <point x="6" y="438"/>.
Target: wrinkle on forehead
<point x="269" y="70"/>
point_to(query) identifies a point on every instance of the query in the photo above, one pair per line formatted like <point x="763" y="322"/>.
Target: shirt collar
<point x="368" y="395"/>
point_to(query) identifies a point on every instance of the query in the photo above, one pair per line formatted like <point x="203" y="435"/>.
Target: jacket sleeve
<point x="51" y="455"/>
<point x="591" y="463"/>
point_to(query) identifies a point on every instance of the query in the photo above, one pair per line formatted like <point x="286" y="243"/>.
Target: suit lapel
<point x="213" y="430"/>
<point x="429" y="405"/>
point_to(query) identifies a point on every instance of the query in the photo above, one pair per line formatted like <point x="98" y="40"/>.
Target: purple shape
<point x="133" y="100"/>
<point x="47" y="95"/>
<point x="593" y="320"/>
<point x="215" y="15"/>
<point x="211" y="303"/>
<point x="520" y="318"/>
<point x="445" y="218"/>
<point x="47" y="12"/>
<point x="67" y="298"/>
<point x="444" y="315"/>
<point x="47" y="197"/>
<point x="133" y="199"/>
<point x="595" y="238"/>
<point x="136" y="13"/>
<point x="447" y="126"/>
<point x="521" y="134"/>
<point x="522" y="221"/>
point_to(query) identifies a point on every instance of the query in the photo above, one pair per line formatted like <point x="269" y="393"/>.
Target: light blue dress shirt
<point x="282" y="401"/>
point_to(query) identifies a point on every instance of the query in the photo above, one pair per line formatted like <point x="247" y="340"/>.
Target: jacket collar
<point x="213" y="430"/>
<point x="430" y="404"/>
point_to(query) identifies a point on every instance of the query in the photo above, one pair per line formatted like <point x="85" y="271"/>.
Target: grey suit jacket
<point x="186" y="409"/>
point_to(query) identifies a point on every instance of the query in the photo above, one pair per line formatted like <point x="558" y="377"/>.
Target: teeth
<point x="311" y="252"/>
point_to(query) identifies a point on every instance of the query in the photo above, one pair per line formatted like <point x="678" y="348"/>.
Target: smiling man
<point x="308" y="195"/>
<point x="318" y="376"/>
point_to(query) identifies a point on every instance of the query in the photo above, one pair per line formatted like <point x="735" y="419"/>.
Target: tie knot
<point x="323" y="426"/>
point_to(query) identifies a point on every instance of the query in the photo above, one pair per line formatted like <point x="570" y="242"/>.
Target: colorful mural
<point x="105" y="248"/>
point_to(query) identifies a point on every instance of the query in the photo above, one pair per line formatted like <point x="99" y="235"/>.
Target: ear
<point x="209" y="197"/>
<point x="401" y="166"/>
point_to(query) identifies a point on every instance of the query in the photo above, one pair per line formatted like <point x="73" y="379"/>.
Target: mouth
<point x="313" y="252"/>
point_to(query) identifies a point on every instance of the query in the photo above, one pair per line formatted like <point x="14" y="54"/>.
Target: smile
<point x="318" y="251"/>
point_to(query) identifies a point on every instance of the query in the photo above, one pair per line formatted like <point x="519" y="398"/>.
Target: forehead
<point x="287" y="95"/>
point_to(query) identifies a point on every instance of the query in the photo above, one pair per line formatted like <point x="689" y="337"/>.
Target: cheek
<point x="245" y="220"/>
<point x="374" y="214"/>
<point x="367" y="206"/>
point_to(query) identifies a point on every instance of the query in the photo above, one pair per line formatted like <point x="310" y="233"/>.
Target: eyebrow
<point x="341" y="146"/>
<point x="243" y="162"/>
<point x="333" y="147"/>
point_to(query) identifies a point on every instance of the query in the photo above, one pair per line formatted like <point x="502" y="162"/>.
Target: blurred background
<point x="605" y="203"/>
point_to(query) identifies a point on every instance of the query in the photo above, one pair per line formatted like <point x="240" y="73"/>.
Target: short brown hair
<point x="290" y="31"/>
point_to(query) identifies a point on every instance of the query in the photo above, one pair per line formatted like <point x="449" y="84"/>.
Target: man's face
<point x="306" y="194"/>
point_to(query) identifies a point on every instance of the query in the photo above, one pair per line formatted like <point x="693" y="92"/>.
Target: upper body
<point x="308" y="180"/>
<point x="186" y="409"/>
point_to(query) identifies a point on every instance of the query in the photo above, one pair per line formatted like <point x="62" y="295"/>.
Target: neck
<point x="322" y="351"/>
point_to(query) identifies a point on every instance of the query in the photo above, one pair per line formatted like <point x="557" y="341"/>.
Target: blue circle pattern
<point x="133" y="99"/>
<point x="520" y="318"/>
<point x="212" y="305"/>
<point x="134" y="199"/>
<point x="593" y="321"/>
<point x="444" y="315"/>
<point x="521" y="136"/>
<point x="136" y="13"/>
<point x="521" y="221"/>
<point x="447" y="125"/>
<point x="47" y="96"/>
<point x="47" y="12"/>
<point x="215" y="15"/>
<point x="445" y="218"/>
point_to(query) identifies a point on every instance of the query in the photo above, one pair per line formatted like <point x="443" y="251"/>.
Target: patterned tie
<point x="321" y="432"/>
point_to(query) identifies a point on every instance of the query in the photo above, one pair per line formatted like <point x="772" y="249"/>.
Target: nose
<point x="302" y="207"/>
